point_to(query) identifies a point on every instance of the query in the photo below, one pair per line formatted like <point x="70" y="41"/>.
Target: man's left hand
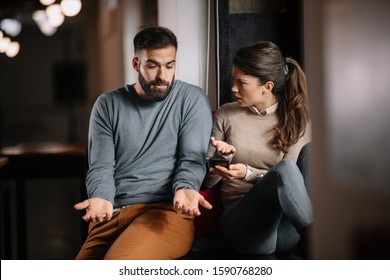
<point x="187" y="201"/>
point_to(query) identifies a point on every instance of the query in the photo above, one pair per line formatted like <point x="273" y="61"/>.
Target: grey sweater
<point x="141" y="151"/>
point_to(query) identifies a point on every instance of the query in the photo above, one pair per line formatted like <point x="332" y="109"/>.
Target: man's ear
<point x="135" y="63"/>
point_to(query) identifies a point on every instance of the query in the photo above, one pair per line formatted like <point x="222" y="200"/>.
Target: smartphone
<point x="219" y="161"/>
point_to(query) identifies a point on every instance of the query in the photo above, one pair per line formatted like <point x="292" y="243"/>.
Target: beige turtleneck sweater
<point x="251" y="133"/>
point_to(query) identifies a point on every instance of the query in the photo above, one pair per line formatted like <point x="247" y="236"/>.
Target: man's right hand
<point x="98" y="209"/>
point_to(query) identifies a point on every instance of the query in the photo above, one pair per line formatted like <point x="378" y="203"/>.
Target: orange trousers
<point x="140" y="232"/>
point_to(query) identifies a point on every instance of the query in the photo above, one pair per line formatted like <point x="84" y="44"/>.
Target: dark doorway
<point x="243" y="22"/>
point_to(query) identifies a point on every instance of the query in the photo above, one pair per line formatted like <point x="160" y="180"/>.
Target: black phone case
<point x="219" y="159"/>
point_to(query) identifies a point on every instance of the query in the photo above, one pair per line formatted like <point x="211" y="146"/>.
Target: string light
<point x="4" y="43"/>
<point x="47" y="2"/>
<point x="42" y="21"/>
<point x="54" y="15"/>
<point x="13" y="49"/>
<point x="11" y="26"/>
<point x="48" y="21"/>
<point x="70" y="8"/>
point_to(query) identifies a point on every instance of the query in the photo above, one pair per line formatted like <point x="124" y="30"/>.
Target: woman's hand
<point x="222" y="147"/>
<point x="235" y="171"/>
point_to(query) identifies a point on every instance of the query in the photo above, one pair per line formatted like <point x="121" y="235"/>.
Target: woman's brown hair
<point x="265" y="61"/>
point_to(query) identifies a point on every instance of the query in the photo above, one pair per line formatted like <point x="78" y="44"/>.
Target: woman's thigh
<point x="159" y="232"/>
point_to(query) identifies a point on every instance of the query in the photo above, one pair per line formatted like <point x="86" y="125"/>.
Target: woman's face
<point x="248" y="90"/>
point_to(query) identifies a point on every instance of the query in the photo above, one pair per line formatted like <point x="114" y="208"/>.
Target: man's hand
<point x="187" y="201"/>
<point x="98" y="209"/>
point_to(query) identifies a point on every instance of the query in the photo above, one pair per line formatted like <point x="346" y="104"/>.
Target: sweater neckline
<point x="264" y="112"/>
<point x="145" y="102"/>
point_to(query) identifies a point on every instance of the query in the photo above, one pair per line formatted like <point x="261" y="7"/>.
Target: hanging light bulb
<point x="70" y="8"/>
<point x="11" y="26"/>
<point x="47" y="2"/>
<point x="13" y="49"/>
<point x="47" y="29"/>
<point x="41" y="19"/>
<point x="39" y="16"/>
<point x="4" y="43"/>
<point x="54" y="14"/>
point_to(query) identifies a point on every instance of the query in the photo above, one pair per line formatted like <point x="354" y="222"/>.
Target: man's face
<point x="156" y="71"/>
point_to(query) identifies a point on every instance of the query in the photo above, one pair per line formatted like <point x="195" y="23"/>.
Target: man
<point x="147" y="148"/>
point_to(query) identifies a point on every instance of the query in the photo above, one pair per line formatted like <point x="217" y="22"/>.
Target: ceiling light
<point x="11" y="26"/>
<point x="47" y="29"/>
<point x="54" y="14"/>
<point x="47" y="2"/>
<point x="70" y="8"/>
<point x="4" y="43"/>
<point x="39" y="16"/>
<point x="13" y="49"/>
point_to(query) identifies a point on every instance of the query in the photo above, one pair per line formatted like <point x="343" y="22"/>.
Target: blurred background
<point x="52" y="70"/>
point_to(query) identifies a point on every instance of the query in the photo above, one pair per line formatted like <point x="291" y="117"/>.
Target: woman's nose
<point x="234" y="89"/>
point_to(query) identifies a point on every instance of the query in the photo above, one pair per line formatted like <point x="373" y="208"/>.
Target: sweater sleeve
<point x="211" y="179"/>
<point x="194" y="137"/>
<point x="257" y="174"/>
<point x="101" y="160"/>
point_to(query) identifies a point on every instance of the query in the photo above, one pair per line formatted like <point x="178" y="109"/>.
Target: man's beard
<point x="153" y="93"/>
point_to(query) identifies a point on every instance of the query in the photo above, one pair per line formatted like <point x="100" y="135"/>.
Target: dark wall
<point x="30" y="96"/>
<point x="242" y="23"/>
<point x="42" y="100"/>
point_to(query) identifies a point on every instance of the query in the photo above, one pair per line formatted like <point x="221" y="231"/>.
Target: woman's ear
<point x="269" y="85"/>
<point x="135" y="63"/>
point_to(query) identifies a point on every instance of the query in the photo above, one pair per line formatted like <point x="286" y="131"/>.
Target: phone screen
<point x="213" y="162"/>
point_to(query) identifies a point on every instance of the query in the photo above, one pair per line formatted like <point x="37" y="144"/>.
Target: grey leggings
<point x="271" y="216"/>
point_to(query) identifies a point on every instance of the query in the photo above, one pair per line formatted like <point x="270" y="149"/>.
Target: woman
<point x="267" y="205"/>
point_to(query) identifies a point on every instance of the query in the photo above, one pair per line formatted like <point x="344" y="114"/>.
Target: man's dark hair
<point x="155" y="37"/>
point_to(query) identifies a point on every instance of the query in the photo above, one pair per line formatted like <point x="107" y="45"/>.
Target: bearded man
<point x="146" y="154"/>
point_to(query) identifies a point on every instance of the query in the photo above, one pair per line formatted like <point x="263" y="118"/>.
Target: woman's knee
<point x="287" y="168"/>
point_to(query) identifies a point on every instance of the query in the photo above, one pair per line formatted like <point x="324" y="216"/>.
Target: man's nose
<point x="161" y="73"/>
